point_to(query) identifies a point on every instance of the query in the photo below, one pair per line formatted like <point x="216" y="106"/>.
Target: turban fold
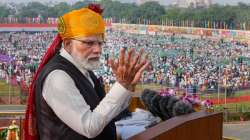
<point x="80" y="23"/>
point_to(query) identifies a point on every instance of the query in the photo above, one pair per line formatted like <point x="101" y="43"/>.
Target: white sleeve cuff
<point x="113" y="103"/>
<point x="118" y="93"/>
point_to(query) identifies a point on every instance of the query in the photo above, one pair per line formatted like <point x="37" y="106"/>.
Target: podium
<point x="195" y="126"/>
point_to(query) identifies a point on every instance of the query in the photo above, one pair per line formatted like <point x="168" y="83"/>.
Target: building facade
<point x="192" y="3"/>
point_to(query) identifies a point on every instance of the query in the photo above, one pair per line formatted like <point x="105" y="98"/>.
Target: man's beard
<point x="90" y="64"/>
<point x="86" y="63"/>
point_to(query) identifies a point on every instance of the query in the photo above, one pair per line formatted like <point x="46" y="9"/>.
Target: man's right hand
<point x="128" y="70"/>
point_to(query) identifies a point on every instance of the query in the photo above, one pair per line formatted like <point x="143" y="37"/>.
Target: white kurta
<point x="61" y="94"/>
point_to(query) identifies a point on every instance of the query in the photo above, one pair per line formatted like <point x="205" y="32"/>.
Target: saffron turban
<point x="81" y="23"/>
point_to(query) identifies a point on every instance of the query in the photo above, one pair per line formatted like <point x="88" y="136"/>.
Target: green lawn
<point x="234" y="107"/>
<point x="141" y="87"/>
<point x="15" y="90"/>
<point x="222" y="95"/>
<point x="5" y="89"/>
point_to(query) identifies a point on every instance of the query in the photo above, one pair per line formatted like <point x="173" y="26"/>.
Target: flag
<point x="244" y="26"/>
<point x="221" y="25"/>
<point x="217" y="24"/>
<point x="208" y="24"/>
<point x="192" y="23"/>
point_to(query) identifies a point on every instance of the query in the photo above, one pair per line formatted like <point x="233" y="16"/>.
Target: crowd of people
<point x="22" y="52"/>
<point x="192" y="64"/>
<point x="28" y="20"/>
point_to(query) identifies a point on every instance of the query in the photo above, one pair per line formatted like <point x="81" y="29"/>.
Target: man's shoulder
<point x="56" y="70"/>
<point x="58" y="76"/>
<point x="56" y="63"/>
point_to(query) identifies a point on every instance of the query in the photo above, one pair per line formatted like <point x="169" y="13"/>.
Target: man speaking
<point x="66" y="100"/>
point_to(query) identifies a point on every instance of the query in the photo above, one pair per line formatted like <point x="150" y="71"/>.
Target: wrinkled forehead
<point x="93" y="37"/>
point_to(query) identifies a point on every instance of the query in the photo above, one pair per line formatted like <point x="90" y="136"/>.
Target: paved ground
<point x="12" y="111"/>
<point x="12" y="107"/>
<point x="237" y="130"/>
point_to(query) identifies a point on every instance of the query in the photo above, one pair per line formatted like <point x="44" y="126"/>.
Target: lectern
<point x="195" y="126"/>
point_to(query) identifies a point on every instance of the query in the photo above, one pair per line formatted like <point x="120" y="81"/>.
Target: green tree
<point x="152" y="11"/>
<point x="80" y="4"/>
<point x="233" y="16"/>
<point x="33" y="9"/>
<point x="60" y="9"/>
<point x="4" y="12"/>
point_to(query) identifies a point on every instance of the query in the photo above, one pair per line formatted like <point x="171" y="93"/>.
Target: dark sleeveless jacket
<point x="50" y="127"/>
